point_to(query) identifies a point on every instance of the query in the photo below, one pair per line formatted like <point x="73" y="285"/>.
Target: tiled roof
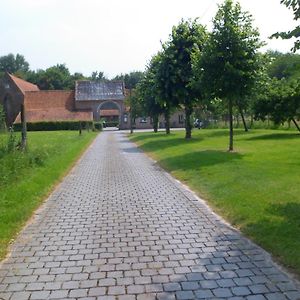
<point x="23" y="85"/>
<point x="99" y="90"/>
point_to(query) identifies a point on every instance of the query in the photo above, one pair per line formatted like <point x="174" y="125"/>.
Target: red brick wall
<point x="52" y="106"/>
<point x="49" y="100"/>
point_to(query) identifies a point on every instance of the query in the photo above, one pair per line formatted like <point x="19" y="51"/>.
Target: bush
<point x="59" y="125"/>
<point x="112" y="124"/>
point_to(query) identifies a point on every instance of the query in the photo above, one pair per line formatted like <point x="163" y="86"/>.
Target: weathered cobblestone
<point x="119" y="228"/>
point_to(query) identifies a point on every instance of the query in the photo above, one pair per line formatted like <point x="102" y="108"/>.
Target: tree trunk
<point x="243" y="119"/>
<point x="188" y="125"/>
<point x="252" y="121"/>
<point x="167" y="120"/>
<point x="294" y="121"/>
<point x="131" y="124"/>
<point x="131" y="115"/>
<point x="24" y="128"/>
<point x="80" y="128"/>
<point x="155" y="123"/>
<point x="230" y="126"/>
<point x="237" y="121"/>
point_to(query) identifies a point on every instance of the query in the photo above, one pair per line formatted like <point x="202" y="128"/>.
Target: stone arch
<point x="110" y="105"/>
<point x="104" y="103"/>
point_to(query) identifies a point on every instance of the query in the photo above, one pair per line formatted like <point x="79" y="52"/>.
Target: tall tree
<point x="13" y="64"/>
<point x="147" y="93"/>
<point x="164" y="82"/>
<point x="57" y="77"/>
<point x="229" y="61"/>
<point x="130" y="79"/>
<point x="187" y="39"/>
<point x="294" y="5"/>
<point x="98" y="76"/>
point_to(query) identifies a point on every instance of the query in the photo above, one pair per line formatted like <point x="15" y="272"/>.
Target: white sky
<point x="114" y="36"/>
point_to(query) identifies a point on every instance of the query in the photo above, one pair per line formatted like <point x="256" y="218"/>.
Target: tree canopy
<point x="14" y="64"/>
<point x="229" y="62"/>
<point x="294" y="5"/>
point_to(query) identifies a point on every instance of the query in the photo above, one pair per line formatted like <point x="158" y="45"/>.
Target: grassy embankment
<point x="27" y="178"/>
<point x="256" y="188"/>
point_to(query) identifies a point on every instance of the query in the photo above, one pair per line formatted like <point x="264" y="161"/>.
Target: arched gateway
<point x="105" y="99"/>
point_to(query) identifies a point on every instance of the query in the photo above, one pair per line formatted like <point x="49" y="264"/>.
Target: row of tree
<point x="57" y="77"/>
<point x="219" y="69"/>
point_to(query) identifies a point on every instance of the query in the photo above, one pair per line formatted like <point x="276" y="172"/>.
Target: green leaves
<point x="294" y="5"/>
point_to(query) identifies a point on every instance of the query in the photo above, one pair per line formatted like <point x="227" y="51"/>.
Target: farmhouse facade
<point x="91" y="100"/>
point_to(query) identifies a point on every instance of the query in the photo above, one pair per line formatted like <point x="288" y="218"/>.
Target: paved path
<point x="120" y="228"/>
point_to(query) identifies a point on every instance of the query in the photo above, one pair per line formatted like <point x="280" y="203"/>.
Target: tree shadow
<point x="149" y="135"/>
<point x="196" y="160"/>
<point x="164" y="143"/>
<point x="275" y="136"/>
<point x="280" y="230"/>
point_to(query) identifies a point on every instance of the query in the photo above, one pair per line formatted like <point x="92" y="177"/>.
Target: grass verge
<point x="256" y="188"/>
<point x="27" y="178"/>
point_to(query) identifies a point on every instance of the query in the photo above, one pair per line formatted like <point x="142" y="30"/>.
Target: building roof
<point x="99" y="90"/>
<point x="23" y="85"/>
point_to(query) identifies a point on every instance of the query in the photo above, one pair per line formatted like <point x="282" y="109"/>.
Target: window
<point x="125" y="118"/>
<point x="180" y="119"/>
<point x="143" y="120"/>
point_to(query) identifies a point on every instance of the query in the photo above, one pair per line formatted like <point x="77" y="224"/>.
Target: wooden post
<point x="24" y="128"/>
<point x="80" y="128"/>
<point x="131" y="110"/>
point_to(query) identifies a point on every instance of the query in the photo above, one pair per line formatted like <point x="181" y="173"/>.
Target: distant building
<point x="91" y="100"/>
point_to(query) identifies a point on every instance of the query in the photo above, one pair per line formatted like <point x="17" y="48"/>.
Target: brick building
<point x="91" y="100"/>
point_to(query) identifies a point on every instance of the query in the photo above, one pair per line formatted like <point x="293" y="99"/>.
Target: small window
<point x="180" y="119"/>
<point x="125" y="118"/>
<point x="143" y="120"/>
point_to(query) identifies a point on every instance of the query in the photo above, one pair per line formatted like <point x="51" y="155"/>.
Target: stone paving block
<point x="119" y="228"/>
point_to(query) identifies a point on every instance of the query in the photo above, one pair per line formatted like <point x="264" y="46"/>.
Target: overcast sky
<point x="114" y="36"/>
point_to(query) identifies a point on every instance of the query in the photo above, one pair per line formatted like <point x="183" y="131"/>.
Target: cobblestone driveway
<point x="120" y="228"/>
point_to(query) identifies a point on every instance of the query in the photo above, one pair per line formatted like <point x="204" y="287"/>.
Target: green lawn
<point x="27" y="178"/>
<point x="256" y="188"/>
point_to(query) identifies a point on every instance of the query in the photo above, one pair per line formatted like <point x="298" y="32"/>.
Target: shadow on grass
<point x="149" y="135"/>
<point x="280" y="235"/>
<point x="163" y="143"/>
<point x="196" y="160"/>
<point x="275" y="136"/>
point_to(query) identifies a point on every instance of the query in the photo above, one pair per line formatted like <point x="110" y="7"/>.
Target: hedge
<point x="59" y="125"/>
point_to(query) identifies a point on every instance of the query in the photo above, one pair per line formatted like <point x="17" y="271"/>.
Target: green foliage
<point x="294" y="5"/>
<point x="147" y="96"/>
<point x="54" y="78"/>
<point x="229" y="60"/>
<point x="229" y="63"/>
<point x="130" y="79"/>
<point x="186" y="40"/>
<point x="58" y="125"/>
<point x="98" y="76"/>
<point x="13" y="64"/>
<point x="11" y="142"/>
<point x="2" y="118"/>
<point x="283" y="65"/>
<point x="267" y="162"/>
<point x="281" y="101"/>
<point x="26" y="177"/>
